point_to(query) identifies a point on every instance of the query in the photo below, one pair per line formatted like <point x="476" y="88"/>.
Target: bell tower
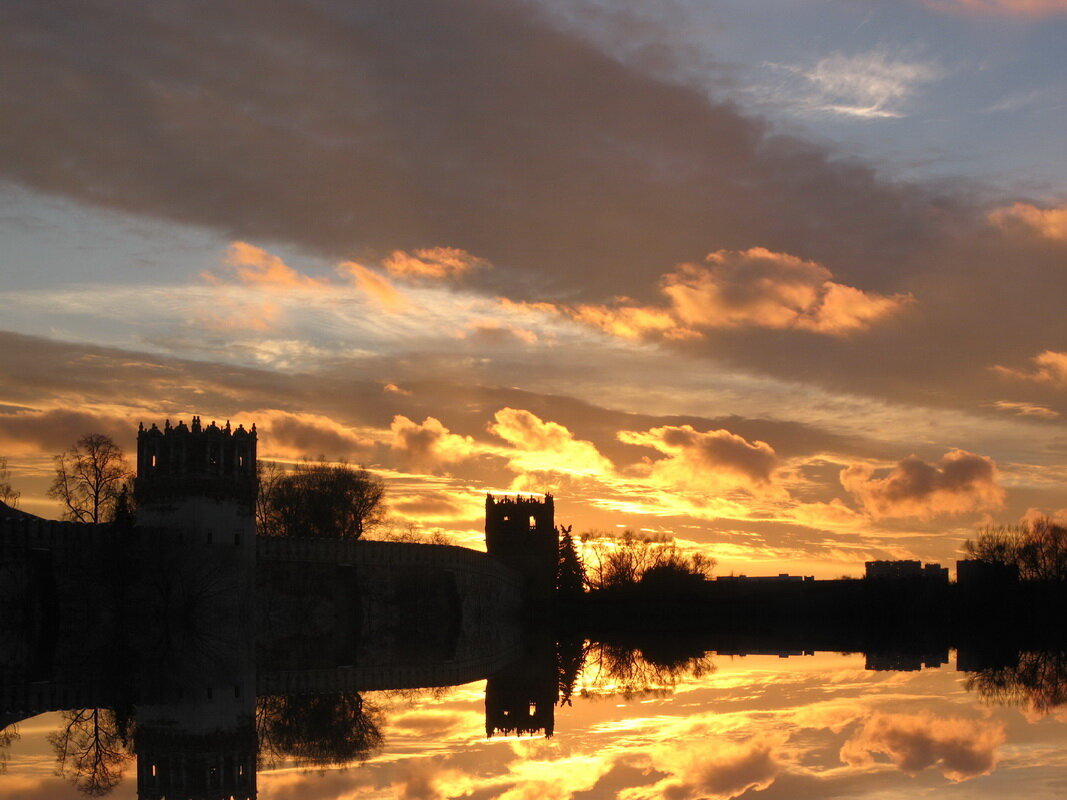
<point x="520" y="532"/>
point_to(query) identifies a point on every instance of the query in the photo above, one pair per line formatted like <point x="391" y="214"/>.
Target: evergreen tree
<point x="570" y="572"/>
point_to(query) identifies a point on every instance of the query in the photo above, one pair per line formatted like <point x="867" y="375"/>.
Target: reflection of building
<point x="520" y="532"/>
<point x="521" y="699"/>
<point x="176" y="764"/>
<point x="899" y="660"/>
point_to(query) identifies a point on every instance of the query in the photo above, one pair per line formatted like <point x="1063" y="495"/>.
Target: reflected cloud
<point x="728" y="771"/>
<point x="961" y="748"/>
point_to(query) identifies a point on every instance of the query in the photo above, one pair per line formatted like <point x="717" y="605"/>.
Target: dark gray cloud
<point x="376" y="126"/>
<point x="358" y="129"/>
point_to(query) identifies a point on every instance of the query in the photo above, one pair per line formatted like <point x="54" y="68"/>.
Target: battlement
<point x="518" y="514"/>
<point x="183" y="461"/>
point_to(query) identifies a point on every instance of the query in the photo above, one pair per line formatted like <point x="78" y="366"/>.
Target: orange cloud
<point x="375" y="285"/>
<point x="288" y="435"/>
<point x="429" y="443"/>
<point x="437" y="263"/>
<point x="1050" y="223"/>
<point x="761" y="288"/>
<point x="1007" y="8"/>
<point x="1026" y="409"/>
<point x="1050" y="366"/>
<point x="254" y="266"/>
<point x="754" y="288"/>
<point x="633" y="322"/>
<point x="962" y="748"/>
<point x="729" y="771"/>
<point x="227" y="315"/>
<point x="495" y="332"/>
<point x="542" y="446"/>
<point x="706" y="461"/>
<point x="959" y="483"/>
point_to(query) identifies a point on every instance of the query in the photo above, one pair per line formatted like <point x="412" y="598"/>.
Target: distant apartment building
<point x="779" y="578"/>
<point x="906" y="571"/>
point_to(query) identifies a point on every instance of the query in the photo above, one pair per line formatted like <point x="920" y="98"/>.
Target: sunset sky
<point x="782" y="280"/>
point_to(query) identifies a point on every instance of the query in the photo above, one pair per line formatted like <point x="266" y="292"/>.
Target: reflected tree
<point x="8" y="736"/>
<point x="317" y="730"/>
<point x="645" y="668"/>
<point x="570" y="658"/>
<point x="91" y="750"/>
<point x="1038" y="681"/>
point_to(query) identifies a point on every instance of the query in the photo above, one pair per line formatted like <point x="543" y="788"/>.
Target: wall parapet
<point x="385" y="554"/>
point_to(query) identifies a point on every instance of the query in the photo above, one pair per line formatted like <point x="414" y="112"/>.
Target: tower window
<point x="153" y="459"/>
<point x="533" y="709"/>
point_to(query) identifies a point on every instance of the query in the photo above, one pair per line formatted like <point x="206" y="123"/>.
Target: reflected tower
<point x="521" y="699"/>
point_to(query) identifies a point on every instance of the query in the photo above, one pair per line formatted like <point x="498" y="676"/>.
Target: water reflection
<point x="768" y="719"/>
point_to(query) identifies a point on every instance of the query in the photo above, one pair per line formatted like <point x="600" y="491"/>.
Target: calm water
<point x="720" y="726"/>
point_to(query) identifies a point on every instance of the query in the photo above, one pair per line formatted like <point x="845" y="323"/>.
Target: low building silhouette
<point x="905" y="570"/>
<point x="781" y="577"/>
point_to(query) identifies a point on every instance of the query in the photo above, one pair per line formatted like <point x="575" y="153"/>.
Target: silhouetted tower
<point x="521" y="699"/>
<point x="200" y="481"/>
<point x="177" y="764"/>
<point x="195" y="504"/>
<point x="520" y="532"/>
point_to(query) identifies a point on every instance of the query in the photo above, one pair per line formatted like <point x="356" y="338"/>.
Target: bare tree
<point x="317" y="729"/>
<point x="1038" y="549"/>
<point x="89" y="478"/>
<point x="321" y="499"/>
<point x="8" y="495"/>
<point x="654" y="562"/>
<point x="8" y="736"/>
<point x="90" y="751"/>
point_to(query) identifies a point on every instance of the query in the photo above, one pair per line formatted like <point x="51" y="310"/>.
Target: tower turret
<point x="520" y="532"/>
<point x="200" y="481"/>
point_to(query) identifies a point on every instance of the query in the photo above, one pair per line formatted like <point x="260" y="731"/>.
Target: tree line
<point x="1037" y="549"/>
<point x="93" y="482"/>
